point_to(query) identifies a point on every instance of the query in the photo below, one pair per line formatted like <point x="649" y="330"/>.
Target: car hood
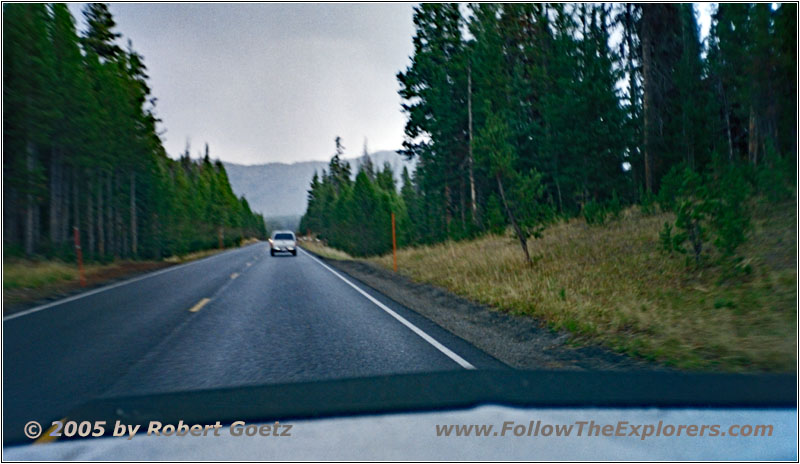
<point x="448" y="390"/>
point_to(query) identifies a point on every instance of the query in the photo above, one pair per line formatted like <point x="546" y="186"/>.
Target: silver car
<point x="283" y="241"/>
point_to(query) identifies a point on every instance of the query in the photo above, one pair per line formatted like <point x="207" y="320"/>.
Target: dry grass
<point x="323" y="250"/>
<point x="194" y="256"/>
<point x="613" y="285"/>
<point x="27" y="274"/>
<point x="26" y="281"/>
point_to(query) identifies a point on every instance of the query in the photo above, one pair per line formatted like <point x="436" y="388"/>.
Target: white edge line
<point x="108" y="287"/>
<point x="449" y="353"/>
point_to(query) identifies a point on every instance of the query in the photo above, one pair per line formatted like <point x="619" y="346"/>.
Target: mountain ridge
<point x="279" y="190"/>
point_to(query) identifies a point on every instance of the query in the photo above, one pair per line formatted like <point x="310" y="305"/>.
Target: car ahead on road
<point x="283" y="241"/>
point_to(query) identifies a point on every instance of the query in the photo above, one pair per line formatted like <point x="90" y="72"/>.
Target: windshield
<point x="521" y="189"/>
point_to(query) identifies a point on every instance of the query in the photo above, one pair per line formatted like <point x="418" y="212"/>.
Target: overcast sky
<point x="272" y="82"/>
<point x="275" y="82"/>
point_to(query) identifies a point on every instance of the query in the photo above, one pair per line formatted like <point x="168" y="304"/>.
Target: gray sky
<point x="275" y="82"/>
<point x="272" y="82"/>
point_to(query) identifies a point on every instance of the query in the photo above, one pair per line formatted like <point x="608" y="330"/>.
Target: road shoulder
<point x="519" y="341"/>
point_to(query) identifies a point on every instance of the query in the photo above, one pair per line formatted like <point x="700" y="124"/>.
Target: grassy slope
<point x="613" y="285"/>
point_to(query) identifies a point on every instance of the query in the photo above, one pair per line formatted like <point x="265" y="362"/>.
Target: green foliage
<point x="355" y="216"/>
<point x="83" y="151"/>
<point x="495" y="219"/>
<point x="530" y="211"/>
<point x="671" y="185"/>
<point x="648" y="204"/>
<point x="542" y="84"/>
<point x="666" y="239"/>
<point x="775" y="176"/>
<point x="730" y="219"/>
<point x="614" y="206"/>
<point x="691" y="210"/>
<point x="594" y="213"/>
<point x="709" y="208"/>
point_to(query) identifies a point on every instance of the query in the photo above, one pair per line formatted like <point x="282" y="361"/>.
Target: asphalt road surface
<point x="237" y="318"/>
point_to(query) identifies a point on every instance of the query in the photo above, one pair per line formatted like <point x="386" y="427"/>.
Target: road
<point x="237" y="318"/>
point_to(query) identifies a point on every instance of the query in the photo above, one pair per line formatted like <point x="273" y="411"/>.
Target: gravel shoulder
<point x="518" y="341"/>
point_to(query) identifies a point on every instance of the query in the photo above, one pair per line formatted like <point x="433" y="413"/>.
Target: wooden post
<point x="472" y="199"/>
<point x="394" y="245"/>
<point x="79" y="252"/>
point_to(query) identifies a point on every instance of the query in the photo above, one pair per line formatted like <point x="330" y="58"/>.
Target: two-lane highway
<point x="236" y="318"/>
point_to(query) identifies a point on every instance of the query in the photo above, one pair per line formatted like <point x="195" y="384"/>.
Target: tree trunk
<point x="66" y="206"/>
<point x="727" y="119"/>
<point x="10" y="215"/>
<point x="109" y="219"/>
<point x="29" y="203"/>
<point x="462" y="201"/>
<point x="686" y="140"/>
<point x="634" y="94"/>
<point x="55" y="194"/>
<point x="119" y="230"/>
<point x="470" y="159"/>
<point x="523" y="240"/>
<point x="116" y="242"/>
<point x="76" y="218"/>
<point x="90" y="219"/>
<point x="647" y="104"/>
<point x="101" y="230"/>
<point x="134" y="237"/>
<point x="752" y="139"/>
<point x="447" y="213"/>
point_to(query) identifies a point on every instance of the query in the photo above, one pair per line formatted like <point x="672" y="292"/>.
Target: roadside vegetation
<point x="616" y="286"/>
<point x="648" y="181"/>
<point x="322" y="249"/>
<point x="30" y="280"/>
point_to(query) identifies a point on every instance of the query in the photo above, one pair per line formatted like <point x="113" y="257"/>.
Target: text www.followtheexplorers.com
<point x="592" y="429"/>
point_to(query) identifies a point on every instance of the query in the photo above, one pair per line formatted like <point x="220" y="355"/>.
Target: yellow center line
<point x="46" y="437"/>
<point x="234" y="275"/>
<point x="199" y="305"/>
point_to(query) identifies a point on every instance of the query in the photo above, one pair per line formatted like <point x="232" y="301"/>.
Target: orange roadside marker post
<point x="79" y="252"/>
<point x="394" y="245"/>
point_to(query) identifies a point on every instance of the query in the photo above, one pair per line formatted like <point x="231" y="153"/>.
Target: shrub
<point x="671" y="185"/>
<point x="594" y="213"/>
<point x="648" y="204"/>
<point x="691" y="209"/>
<point x="728" y="216"/>
<point x="495" y="218"/>
<point x="614" y="205"/>
<point x="666" y="238"/>
<point x="774" y="176"/>
<point x="707" y="207"/>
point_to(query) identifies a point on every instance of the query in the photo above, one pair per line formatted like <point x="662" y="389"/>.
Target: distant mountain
<point x="280" y="190"/>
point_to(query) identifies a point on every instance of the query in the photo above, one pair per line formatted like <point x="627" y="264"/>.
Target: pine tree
<point x="434" y="87"/>
<point x="100" y="36"/>
<point x="28" y="117"/>
<point x="83" y="150"/>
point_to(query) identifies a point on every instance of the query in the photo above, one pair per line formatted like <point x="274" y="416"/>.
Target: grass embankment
<point x="323" y="250"/>
<point x="26" y="280"/>
<point x="611" y="284"/>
